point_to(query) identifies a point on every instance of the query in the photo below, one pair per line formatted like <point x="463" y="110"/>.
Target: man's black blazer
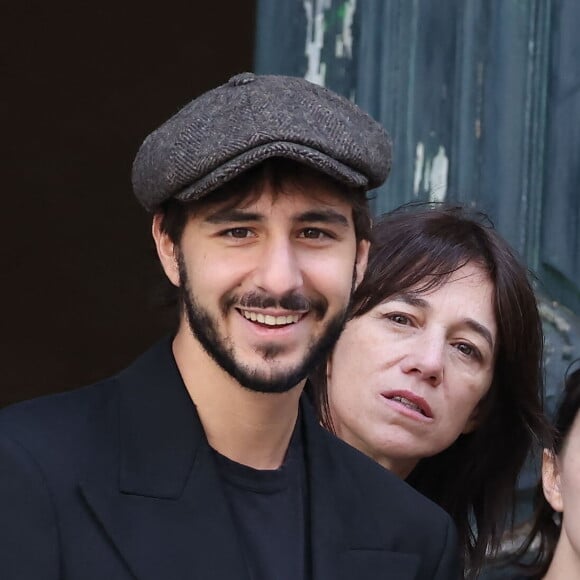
<point x="117" y="481"/>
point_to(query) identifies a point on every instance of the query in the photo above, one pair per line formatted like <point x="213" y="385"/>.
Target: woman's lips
<point x="409" y="401"/>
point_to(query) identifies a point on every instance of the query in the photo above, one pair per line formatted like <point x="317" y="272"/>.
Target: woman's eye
<point x="399" y="319"/>
<point x="466" y="349"/>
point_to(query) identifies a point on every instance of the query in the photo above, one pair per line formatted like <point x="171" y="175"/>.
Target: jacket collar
<point x="160" y="430"/>
<point x="163" y="506"/>
<point x="346" y="538"/>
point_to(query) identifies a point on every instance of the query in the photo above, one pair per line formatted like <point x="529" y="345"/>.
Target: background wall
<point x="84" y="84"/>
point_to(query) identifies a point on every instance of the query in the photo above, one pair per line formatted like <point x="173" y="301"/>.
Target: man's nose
<point x="279" y="270"/>
<point x="426" y="359"/>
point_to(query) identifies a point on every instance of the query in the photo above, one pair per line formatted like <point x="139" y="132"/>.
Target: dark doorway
<point x="86" y="83"/>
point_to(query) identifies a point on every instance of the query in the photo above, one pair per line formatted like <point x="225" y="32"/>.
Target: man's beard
<point x="204" y="327"/>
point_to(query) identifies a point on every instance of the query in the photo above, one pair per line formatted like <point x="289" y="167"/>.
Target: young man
<point x="200" y="460"/>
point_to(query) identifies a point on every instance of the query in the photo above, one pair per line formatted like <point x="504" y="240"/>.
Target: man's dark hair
<point x="474" y="480"/>
<point x="280" y="173"/>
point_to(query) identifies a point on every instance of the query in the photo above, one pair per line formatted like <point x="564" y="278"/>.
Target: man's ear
<point x="551" y="481"/>
<point x="166" y="250"/>
<point x="362" y="258"/>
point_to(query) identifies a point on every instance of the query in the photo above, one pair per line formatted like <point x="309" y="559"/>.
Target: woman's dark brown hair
<point x="545" y="529"/>
<point x="474" y="479"/>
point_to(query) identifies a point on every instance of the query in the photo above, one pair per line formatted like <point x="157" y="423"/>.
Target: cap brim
<point x="295" y="151"/>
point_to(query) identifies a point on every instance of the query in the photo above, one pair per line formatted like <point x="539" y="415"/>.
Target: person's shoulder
<point x="66" y="428"/>
<point x="59" y="418"/>
<point x="403" y="520"/>
<point x="387" y="492"/>
<point x="74" y="409"/>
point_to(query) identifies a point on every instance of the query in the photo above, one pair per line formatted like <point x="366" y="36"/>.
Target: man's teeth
<point x="408" y="404"/>
<point x="268" y="319"/>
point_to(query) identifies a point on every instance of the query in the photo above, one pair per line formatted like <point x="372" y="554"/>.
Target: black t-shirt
<point x="268" y="508"/>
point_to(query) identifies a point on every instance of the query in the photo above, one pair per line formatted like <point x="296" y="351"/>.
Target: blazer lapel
<point x="162" y="503"/>
<point x="346" y="540"/>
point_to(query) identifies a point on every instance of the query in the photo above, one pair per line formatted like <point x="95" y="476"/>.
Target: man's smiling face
<point x="265" y="284"/>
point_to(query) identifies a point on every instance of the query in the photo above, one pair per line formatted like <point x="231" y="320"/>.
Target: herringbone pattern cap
<point x="232" y="128"/>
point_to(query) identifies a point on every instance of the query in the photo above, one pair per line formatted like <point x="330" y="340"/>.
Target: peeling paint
<point x="427" y="175"/>
<point x="430" y="175"/>
<point x="339" y="47"/>
<point x="344" y="40"/>
<point x="480" y="69"/>
<point x="316" y="69"/>
<point x="552" y="317"/>
<point x="419" y="161"/>
<point x="317" y="19"/>
<point x="439" y="174"/>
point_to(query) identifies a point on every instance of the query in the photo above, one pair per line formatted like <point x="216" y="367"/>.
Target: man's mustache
<point x="293" y="301"/>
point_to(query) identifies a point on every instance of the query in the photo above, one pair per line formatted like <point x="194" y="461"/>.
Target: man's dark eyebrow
<point x="414" y="300"/>
<point x="328" y="216"/>
<point x="239" y="215"/>
<point x="233" y="215"/>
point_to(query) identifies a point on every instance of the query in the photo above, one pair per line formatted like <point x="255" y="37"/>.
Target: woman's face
<point x="405" y="379"/>
<point x="561" y="481"/>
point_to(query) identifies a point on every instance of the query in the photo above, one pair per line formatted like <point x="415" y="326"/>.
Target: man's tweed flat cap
<point x="236" y="126"/>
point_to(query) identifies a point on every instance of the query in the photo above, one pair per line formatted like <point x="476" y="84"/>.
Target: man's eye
<point x="313" y="234"/>
<point x="238" y="233"/>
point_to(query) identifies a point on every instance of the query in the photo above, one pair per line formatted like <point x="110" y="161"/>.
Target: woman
<point x="558" y="556"/>
<point x="437" y="374"/>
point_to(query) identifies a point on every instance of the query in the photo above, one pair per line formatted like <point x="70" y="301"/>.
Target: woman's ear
<point x="551" y="481"/>
<point x="166" y="250"/>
